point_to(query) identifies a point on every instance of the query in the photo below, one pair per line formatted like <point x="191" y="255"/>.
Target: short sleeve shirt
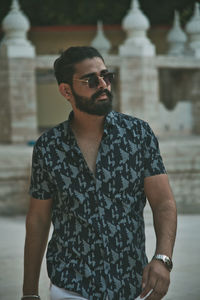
<point x="97" y="248"/>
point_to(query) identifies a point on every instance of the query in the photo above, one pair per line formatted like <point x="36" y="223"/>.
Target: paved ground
<point x="185" y="279"/>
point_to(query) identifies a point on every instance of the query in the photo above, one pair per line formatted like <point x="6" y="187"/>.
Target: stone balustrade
<point x="147" y="86"/>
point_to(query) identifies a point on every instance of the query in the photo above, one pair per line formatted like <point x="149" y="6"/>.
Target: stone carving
<point x="193" y="30"/>
<point x="100" y="41"/>
<point x="136" y="24"/>
<point x="15" y="25"/>
<point x="176" y="38"/>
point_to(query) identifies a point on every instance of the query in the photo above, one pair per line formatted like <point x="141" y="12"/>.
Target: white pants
<point x="57" y="293"/>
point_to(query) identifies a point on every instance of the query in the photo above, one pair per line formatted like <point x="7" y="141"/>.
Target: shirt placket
<point x="83" y="167"/>
<point x="100" y="184"/>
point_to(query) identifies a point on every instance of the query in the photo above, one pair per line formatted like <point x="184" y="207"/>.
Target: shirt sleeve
<point x="40" y="185"/>
<point x="153" y="163"/>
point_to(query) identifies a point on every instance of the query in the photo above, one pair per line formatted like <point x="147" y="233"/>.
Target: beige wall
<point x="51" y="40"/>
<point x="52" y="108"/>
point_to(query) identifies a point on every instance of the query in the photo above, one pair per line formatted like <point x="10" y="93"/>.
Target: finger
<point x="159" y="291"/>
<point x="154" y="296"/>
<point x="151" y="282"/>
<point x="145" y="297"/>
<point x="161" y="287"/>
<point x="145" y="277"/>
<point x="145" y="282"/>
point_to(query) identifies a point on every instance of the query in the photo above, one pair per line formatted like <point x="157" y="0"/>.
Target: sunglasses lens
<point x="108" y="78"/>
<point x="93" y="82"/>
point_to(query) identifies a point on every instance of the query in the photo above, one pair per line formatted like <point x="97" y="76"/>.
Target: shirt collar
<point x="110" y="120"/>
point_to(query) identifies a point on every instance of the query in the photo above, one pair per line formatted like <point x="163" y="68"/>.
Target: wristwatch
<point x="165" y="259"/>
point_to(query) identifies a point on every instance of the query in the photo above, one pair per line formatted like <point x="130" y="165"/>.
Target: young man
<point x="90" y="177"/>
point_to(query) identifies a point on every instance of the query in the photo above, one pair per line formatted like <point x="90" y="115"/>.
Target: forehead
<point x="89" y="65"/>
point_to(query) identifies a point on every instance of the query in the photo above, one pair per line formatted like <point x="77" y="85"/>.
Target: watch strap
<point x="165" y="259"/>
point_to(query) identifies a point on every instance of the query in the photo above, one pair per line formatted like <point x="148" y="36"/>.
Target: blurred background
<point x="152" y="46"/>
<point x="154" y="49"/>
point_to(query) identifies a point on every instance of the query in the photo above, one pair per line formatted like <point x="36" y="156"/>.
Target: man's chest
<point x="117" y="166"/>
<point x="89" y="151"/>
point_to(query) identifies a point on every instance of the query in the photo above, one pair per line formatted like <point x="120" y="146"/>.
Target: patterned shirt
<point x="98" y="244"/>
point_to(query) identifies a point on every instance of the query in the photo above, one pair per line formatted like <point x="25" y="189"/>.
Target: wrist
<point x="166" y="260"/>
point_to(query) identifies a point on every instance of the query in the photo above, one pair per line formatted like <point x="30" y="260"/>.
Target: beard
<point x="91" y="105"/>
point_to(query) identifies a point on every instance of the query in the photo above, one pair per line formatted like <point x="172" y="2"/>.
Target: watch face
<point x="166" y="260"/>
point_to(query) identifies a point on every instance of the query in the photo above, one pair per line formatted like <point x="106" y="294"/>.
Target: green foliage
<point x="66" y="12"/>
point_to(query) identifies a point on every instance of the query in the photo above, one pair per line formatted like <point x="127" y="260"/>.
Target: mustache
<point x="100" y="92"/>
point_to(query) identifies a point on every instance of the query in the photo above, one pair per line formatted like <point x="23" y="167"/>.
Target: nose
<point x="102" y="82"/>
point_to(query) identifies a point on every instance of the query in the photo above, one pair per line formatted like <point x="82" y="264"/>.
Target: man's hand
<point x="156" y="277"/>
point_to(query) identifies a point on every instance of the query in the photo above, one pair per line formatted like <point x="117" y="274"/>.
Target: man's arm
<point x="159" y="194"/>
<point x="38" y="222"/>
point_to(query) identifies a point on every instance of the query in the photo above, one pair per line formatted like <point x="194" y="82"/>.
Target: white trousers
<point x="57" y="293"/>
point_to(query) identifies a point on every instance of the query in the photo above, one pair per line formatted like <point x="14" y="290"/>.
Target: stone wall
<point x="5" y="111"/>
<point x="138" y="94"/>
<point x="18" y="100"/>
<point x="139" y="89"/>
<point x="14" y="178"/>
<point x="181" y="157"/>
<point x="182" y="160"/>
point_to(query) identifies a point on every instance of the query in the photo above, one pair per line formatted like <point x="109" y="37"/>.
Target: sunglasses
<point x="93" y="81"/>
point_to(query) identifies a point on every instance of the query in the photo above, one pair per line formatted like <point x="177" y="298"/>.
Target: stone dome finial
<point x="15" y="26"/>
<point x="193" y="30"/>
<point x="176" y="37"/>
<point x="193" y="26"/>
<point x="136" y="24"/>
<point x="135" y="19"/>
<point x="100" y="42"/>
<point x="15" y="5"/>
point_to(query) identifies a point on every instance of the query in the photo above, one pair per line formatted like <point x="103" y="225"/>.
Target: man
<point x="90" y="177"/>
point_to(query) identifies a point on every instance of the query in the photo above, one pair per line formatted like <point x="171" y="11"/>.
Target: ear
<point x="65" y="90"/>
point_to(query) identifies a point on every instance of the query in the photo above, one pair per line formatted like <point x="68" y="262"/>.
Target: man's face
<point x="96" y="100"/>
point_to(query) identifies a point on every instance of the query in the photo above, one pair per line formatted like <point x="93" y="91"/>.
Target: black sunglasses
<point x="93" y="80"/>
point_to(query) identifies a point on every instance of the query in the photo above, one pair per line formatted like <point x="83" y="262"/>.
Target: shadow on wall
<point x="179" y="93"/>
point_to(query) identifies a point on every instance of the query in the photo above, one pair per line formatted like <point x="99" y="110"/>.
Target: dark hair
<point x="64" y="65"/>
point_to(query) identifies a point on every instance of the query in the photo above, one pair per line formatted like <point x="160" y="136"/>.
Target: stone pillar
<point x="18" y="120"/>
<point x="176" y="38"/>
<point x="195" y="97"/>
<point x="136" y="24"/>
<point x="140" y="89"/>
<point x="193" y="30"/>
<point x="138" y="72"/>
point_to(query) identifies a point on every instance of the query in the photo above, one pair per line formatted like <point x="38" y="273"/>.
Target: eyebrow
<point x="93" y="73"/>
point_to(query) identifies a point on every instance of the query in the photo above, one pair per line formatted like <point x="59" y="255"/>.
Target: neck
<point x="85" y="124"/>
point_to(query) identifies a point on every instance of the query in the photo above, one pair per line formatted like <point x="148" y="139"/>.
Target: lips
<point x="102" y="97"/>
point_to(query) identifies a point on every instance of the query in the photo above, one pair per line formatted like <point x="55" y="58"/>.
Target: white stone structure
<point x="136" y="24"/>
<point x="176" y="38"/>
<point x="15" y="25"/>
<point x="177" y="122"/>
<point x="18" y="120"/>
<point x="100" y="41"/>
<point x="193" y="30"/>
<point x="142" y="78"/>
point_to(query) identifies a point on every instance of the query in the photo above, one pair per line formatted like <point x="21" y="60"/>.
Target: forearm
<point x="35" y="244"/>
<point x="165" y="224"/>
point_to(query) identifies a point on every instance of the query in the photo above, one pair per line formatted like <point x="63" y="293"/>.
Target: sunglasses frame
<point x="95" y="79"/>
